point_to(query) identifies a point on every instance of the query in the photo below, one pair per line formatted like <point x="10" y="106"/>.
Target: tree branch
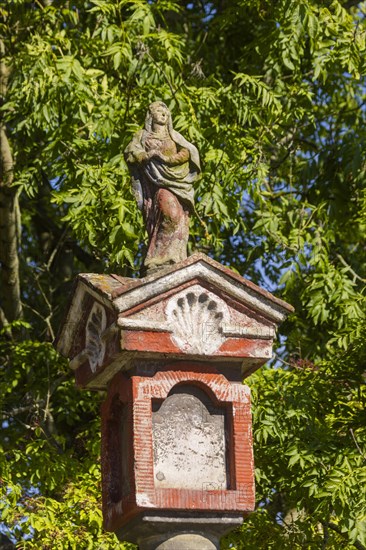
<point x="355" y="275"/>
<point x="338" y="530"/>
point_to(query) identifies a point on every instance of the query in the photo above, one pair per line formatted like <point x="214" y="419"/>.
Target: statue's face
<point x="160" y="115"/>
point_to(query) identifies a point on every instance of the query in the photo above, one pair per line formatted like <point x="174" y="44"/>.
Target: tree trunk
<point x="10" y="300"/>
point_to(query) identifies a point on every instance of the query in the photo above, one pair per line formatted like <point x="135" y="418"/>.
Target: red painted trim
<point x="137" y="393"/>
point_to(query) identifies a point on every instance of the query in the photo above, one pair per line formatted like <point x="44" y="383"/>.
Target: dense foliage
<point x="273" y="95"/>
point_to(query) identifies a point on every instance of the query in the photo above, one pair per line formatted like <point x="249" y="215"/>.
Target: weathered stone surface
<point x="171" y="349"/>
<point x="163" y="168"/>
<point x="222" y="478"/>
<point x="187" y="541"/>
<point x="151" y="529"/>
<point x="196" y="318"/>
<point x="94" y="342"/>
<point x="195" y="310"/>
<point x="189" y="441"/>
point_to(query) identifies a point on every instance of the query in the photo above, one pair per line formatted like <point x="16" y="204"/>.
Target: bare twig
<point x="173" y="91"/>
<point x="278" y="358"/>
<point x="59" y="244"/>
<point x="357" y="445"/>
<point x="355" y="275"/>
<point x="325" y="535"/>
<point x="20" y="410"/>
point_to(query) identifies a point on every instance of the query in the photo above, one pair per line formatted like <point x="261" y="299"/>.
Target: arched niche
<point x="190" y="441"/>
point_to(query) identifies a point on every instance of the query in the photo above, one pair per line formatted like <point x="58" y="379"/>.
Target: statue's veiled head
<point x="158" y="112"/>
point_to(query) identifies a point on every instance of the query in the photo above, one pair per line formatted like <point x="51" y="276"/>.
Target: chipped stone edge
<point x="151" y="289"/>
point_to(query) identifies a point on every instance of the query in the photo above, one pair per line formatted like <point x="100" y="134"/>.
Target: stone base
<point x="178" y="530"/>
<point x="185" y="542"/>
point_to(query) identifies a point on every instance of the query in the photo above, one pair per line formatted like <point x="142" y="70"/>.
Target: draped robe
<point x="164" y="192"/>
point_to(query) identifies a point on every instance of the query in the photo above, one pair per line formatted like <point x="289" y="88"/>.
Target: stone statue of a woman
<point x="163" y="167"/>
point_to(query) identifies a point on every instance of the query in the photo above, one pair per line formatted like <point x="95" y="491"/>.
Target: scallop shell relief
<point x="196" y="317"/>
<point x="94" y="344"/>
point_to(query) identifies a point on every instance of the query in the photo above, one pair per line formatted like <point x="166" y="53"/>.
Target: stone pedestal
<point x="176" y="439"/>
<point x="163" y="531"/>
<point x="171" y="350"/>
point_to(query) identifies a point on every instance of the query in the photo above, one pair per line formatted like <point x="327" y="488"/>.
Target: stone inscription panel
<point x="189" y="441"/>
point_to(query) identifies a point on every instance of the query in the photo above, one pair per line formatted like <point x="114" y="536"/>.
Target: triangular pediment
<point x="202" y="270"/>
<point x="196" y="309"/>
